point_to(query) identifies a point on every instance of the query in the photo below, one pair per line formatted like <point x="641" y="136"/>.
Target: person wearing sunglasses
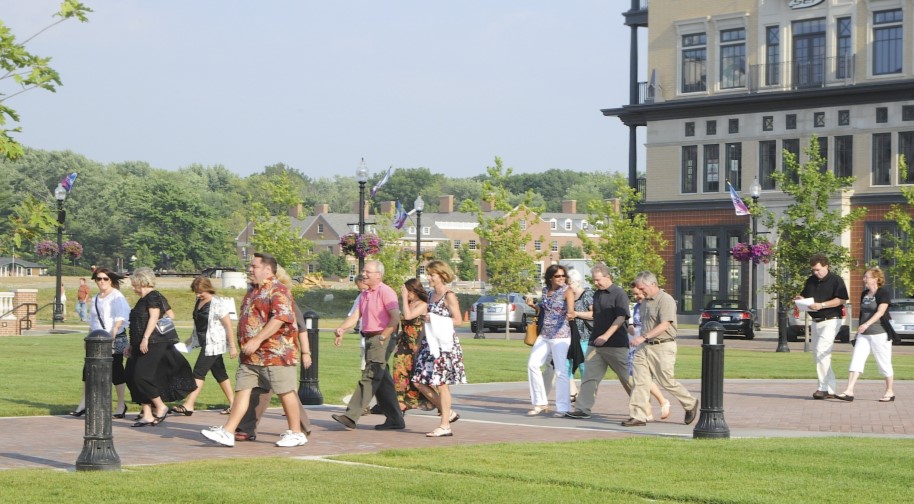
<point x="109" y="311"/>
<point x="554" y="340"/>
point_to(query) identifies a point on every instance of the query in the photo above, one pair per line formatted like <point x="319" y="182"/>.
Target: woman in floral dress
<point x="557" y="308"/>
<point x="412" y="320"/>
<point x="440" y="362"/>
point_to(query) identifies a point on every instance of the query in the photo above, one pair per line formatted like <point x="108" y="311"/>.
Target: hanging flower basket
<point x="72" y="249"/>
<point x="46" y="248"/>
<point x="760" y="252"/>
<point x="360" y="245"/>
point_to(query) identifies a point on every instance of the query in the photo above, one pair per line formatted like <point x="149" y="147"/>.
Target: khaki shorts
<point x="279" y="379"/>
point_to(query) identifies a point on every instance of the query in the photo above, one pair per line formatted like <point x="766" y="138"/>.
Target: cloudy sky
<point x="445" y="85"/>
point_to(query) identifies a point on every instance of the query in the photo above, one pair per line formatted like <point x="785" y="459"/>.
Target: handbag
<point x="532" y="334"/>
<point x="165" y="325"/>
<point x="120" y="340"/>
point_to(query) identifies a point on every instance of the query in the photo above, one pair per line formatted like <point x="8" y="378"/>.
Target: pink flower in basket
<point x="46" y="248"/>
<point x="360" y="245"/>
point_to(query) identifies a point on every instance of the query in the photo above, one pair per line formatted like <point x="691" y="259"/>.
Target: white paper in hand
<point x="181" y="347"/>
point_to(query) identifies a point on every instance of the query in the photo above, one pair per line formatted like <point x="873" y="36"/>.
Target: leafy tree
<point x="29" y="222"/>
<point x="329" y="264"/>
<point x="902" y="250"/>
<point x="569" y="251"/>
<point x="277" y="188"/>
<point x="399" y="262"/>
<point x="810" y="224"/>
<point x="509" y="266"/>
<point x="466" y="263"/>
<point x="624" y="240"/>
<point x="24" y="71"/>
<point x="406" y="184"/>
<point x="444" y="251"/>
<point x="274" y="234"/>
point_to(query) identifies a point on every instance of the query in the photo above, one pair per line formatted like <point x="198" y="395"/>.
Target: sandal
<point x="226" y="411"/>
<point x="537" y="410"/>
<point x="887" y="398"/>
<point x="180" y="409"/>
<point x="440" y="432"/>
<point x="454" y="417"/>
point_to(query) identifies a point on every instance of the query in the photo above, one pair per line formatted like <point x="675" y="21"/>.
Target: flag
<point x="400" y="217"/>
<point x="381" y="182"/>
<point x="738" y="205"/>
<point x="67" y="182"/>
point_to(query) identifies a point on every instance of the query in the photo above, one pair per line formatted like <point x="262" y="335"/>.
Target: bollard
<point x="98" y="444"/>
<point x="309" y="390"/>
<point x="711" y="423"/>
<point x="480" y="321"/>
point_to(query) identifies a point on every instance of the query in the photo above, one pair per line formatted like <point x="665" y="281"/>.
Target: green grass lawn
<point x="633" y="470"/>
<point x="41" y="374"/>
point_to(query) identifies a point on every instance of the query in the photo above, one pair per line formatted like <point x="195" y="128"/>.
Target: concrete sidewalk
<point x="490" y="413"/>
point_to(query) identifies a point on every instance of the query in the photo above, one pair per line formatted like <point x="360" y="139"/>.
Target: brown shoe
<point x="345" y="420"/>
<point x="821" y="394"/>
<point x="691" y="414"/>
<point x="633" y="422"/>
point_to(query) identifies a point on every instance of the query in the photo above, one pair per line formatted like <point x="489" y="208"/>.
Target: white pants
<point x="540" y="354"/>
<point x="823" y="339"/>
<point x="882" y="351"/>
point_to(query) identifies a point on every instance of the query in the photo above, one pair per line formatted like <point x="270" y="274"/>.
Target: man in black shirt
<point x="829" y="294"/>
<point x="608" y="341"/>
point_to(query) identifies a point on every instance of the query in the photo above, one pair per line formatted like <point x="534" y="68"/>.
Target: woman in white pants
<point x="556" y="309"/>
<point x="872" y="335"/>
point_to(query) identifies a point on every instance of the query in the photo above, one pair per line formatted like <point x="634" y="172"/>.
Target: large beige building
<point x="728" y="86"/>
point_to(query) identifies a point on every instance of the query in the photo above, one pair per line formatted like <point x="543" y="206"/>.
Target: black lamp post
<point x="419" y="205"/>
<point x="60" y="194"/>
<point x="755" y="190"/>
<point x="361" y="174"/>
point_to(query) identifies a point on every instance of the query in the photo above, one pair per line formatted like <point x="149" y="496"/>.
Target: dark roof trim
<point x="883" y="92"/>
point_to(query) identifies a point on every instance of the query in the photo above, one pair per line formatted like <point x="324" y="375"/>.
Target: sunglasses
<point x="558" y="276"/>
<point x="102" y="279"/>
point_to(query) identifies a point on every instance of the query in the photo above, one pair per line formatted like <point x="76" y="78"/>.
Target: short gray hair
<point x="646" y="278"/>
<point x="143" y="277"/>
<point x="378" y="266"/>
<point x="575" y="278"/>
<point x="601" y="269"/>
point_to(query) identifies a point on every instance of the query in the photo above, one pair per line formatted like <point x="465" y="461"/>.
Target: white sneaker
<point x="219" y="435"/>
<point x="289" y="438"/>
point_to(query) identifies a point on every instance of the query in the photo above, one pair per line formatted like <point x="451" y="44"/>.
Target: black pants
<point x="210" y="363"/>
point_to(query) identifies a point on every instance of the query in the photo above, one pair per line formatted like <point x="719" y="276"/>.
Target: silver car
<point x="901" y="318"/>
<point x="495" y="307"/>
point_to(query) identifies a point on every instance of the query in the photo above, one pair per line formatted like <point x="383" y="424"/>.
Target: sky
<point x="317" y="85"/>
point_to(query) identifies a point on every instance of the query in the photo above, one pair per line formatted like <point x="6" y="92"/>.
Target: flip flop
<point x="226" y="411"/>
<point x="180" y="409"/>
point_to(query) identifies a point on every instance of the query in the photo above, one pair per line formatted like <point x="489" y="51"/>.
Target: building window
<point x="320" y="228"/>
<point x="887" y="42"/>
<point x="711" y="128"/>
<point x="844" y="63"/>
<point x="809" y="53"/>
<point x="553" y="225"/>
<point x="426" y="230"/>
<point x="694" y="63"/>
<point x="712" y="168"/>
<point x="844" y="118"/>
<point x="567" y="224"/>
<point x="906" y="151"/>
<point x="823" y="153"/>
<point x="523" y="224"/>
<point x="767" y="162"/>
<point x="844" y="156"/>
<point x="907" y="112"/>
<point x="882" y="158"/>
<point x="554" y="246"/>
<point x="790" y="121"/>
<point x="352" y="270"/>
<point x="818" y="120"/>
<point x="311" y="268"/>
<point x="690" y="129"/>
<point x="456" y="244"/>
<point x="689" y="174"/>
<point x="792" y="146"/>
<point x="522" y="247"/>
<point x="537" y="245"/>
<point x="733" y="126"/>
<point x="882" y="114"/>
<point x="472" y="244"/>
<point x="411" y="230"/>
<point x="768" y="123"/>
<point x="733" y="58"/>
<point x="735" y="165"/>
<point x="773" y="56"/>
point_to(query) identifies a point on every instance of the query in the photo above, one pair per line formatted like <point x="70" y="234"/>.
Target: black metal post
<point x="753" y="284"/>
<point x="480" y="321"/>
<point x="782" y="327"/>
<point x="418" y="240"/>
<point x="58" y="306"/>
<point x="98" y="444"/>
<point x="361" y="220"/>
<point x="711" y="423"/>
<point x="309" y="390"/>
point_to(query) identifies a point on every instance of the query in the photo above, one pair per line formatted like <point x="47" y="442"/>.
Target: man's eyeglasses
<point x="102" y="279"/>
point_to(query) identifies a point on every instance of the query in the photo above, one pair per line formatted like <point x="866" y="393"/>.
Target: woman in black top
<point x="872" y="335"/>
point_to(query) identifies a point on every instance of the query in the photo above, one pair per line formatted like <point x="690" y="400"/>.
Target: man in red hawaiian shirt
<point x="269" y="353"/>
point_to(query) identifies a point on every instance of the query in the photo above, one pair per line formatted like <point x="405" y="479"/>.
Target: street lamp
<point x="60" y="194"/>
<point x="361" y="174"/>
<point x="419" y="205"/>
<point x="755" y="190"/>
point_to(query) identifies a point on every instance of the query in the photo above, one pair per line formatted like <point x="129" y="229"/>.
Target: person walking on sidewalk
<point x="269" y="353"/>
<point x="656" y="354"/>
<point x="828" y="293"/>
<point x="82" y="296"/>
<point x="379" y="313"/>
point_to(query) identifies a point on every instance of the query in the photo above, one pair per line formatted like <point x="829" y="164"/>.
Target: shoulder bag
<point x="120" y="339"/>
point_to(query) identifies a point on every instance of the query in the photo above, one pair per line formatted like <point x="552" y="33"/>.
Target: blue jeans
<point x="81" y="310"/>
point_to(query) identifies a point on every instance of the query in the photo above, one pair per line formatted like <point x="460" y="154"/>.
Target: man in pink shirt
<point x="379" y="312"/>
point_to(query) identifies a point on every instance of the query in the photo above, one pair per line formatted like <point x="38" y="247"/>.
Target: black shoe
<point x="344" y="420"/>
<point x="376" y="410"/>
<point x="845" y="397"/>
<point x="391" y="426"/>
<point x="143" y="423"/>
<point x="577" y="414"/>
<point x="691" y="414"/>
<point x="78" y="413"/>
<point x="121" y="414"/>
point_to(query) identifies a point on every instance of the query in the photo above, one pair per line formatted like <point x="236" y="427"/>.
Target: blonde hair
<point x="143" y="277"/>
<point x="441" y="269"/>
<point x="283" y="276"/>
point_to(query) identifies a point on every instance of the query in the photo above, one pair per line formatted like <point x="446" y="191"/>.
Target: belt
<point x="369" y="334"/>
<point x="657" y="342"/>
<point x="823" y="319"/>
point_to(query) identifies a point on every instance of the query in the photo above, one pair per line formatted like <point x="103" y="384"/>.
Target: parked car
<point x="901" y="319"/>
<point x="496" y="306"/>
<point x="730" y="313"/>
<point x="796" y="325"/>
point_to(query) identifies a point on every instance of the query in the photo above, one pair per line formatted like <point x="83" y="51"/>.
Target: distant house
<point x="14" y="266"/>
